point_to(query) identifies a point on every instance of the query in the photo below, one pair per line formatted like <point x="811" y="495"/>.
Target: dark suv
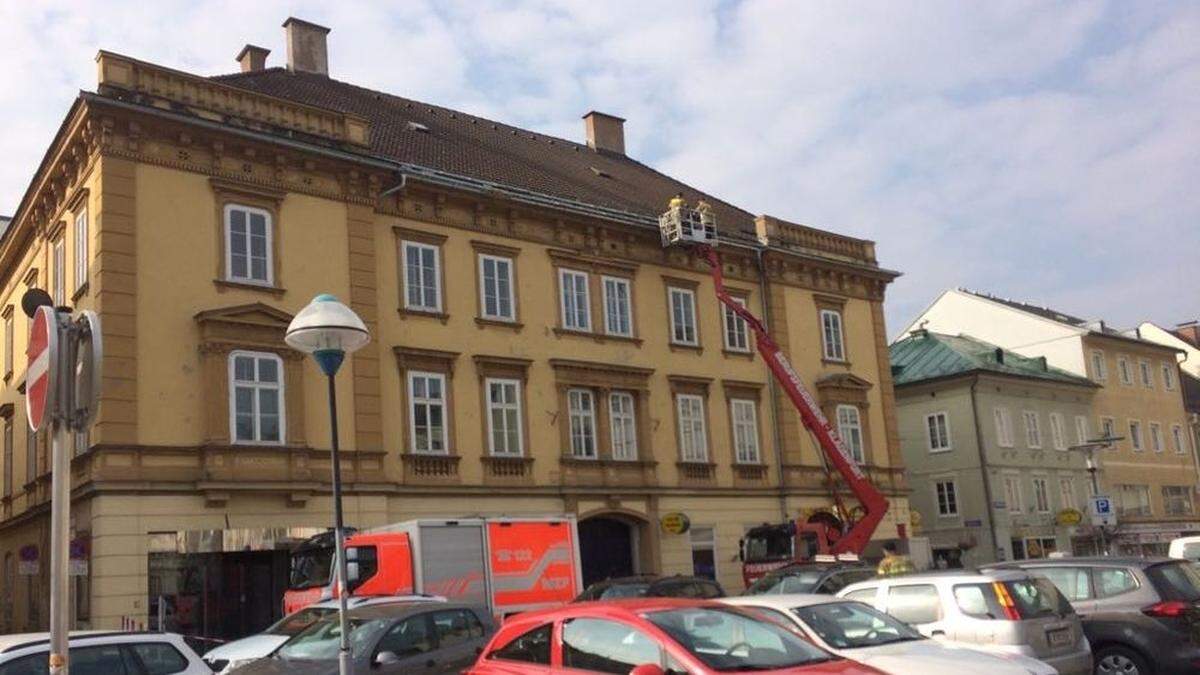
<point x="825" y="578"/>
<point x="1141" y="615"/>
<point x="652" y="586"/>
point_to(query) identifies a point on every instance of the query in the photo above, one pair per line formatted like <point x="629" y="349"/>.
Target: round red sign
<point x="39" y="376"/>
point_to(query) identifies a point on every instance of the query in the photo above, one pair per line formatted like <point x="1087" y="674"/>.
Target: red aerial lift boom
<point x="696" y="228"/>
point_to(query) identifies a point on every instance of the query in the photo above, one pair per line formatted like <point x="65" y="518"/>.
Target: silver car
<point x="1007" y="611"/>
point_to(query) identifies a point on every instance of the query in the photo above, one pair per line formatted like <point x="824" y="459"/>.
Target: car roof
<point x="783" y="601"/>
<point x="1135" y="561"/>
<point x="17" y="641"/>
<point x="985" y="574"/>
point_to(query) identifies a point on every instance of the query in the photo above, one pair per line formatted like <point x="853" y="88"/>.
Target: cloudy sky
<point x="1043" y="151"/>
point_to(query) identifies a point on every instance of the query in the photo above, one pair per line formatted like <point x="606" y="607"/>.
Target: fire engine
<point x="772" y="546"/>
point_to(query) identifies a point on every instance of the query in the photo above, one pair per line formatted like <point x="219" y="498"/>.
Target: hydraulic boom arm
<point x="874" y="504"/>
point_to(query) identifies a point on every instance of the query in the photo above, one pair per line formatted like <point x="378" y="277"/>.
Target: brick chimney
<point x="252" y="58"/>
<point x="306" y="50"/>
<point x="605" y="132"/>
<point x="1189" y="332"/>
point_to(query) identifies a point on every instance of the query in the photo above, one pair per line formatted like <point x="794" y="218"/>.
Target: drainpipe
<point x="983" y="469"/>
<point x="776" y="435"/>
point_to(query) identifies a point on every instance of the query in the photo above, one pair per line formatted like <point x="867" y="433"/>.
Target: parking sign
<point x="1102" y="511"/>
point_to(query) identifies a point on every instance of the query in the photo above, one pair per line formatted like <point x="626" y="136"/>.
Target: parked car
<point x="431" y="638"/>
<point x="1186" y="548"/>
<point x="102" y="653"/>
<point x="826" y="577"/>
<point x="653" y="586"/>
<point x="1006" y="611"/>
<point x="858" y="631"/>
<point x="231" y="655"/>
<point x="1141" y="615"/>
<point x="653" y="636"/>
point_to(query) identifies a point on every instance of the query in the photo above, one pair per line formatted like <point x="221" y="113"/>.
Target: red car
<point x="652" y="636"/>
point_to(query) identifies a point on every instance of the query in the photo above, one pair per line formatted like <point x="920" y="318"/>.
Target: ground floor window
<point x="704" y="552"/>
<point x="1029" y="548"/>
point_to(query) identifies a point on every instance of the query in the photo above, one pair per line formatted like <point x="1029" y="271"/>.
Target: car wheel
<point x="1120" y="661"/>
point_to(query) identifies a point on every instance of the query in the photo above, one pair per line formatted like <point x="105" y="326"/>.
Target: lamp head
<point x="328" y="330"/>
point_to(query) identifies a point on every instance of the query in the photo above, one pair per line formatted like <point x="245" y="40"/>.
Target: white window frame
<point x="421" y="306"/>
<point x="831" y="322"/>
<point x="688" y="310"/>
<point x="743" y="413"/>
<point x="515" y="405"/>
<point x="859" y="453"/>
<point x="608" y="283"/>
<point x="1108" y="428"/>
<point x="1156" y="437"/>
<point x="429" y="403"/>
<point x="498" y="315"/>
<point x="1178" y="439"/>
<point x="1099" y="367"/>
<point x="1033" y="432"/>
<point x="270" y="232"/>
<point x="82" y="260"/>
<point x="945" y="489"/>
<point x="1066" y="492"/>
<point x="1145" y="373"/>
<point x="737" y="333"/>
<point x="940" y="443"/>
<point x="623" y="426"/>
<point x="1058" y="431"/>
<point x="256" y="386"/>
<point x="1135" y="436"/>
<point x="1041" y="494"/>
<point x="691" y="427"/>
<point x="581" y="423"/>
<point x="698" y="541"/>
<point x="59" y="251"/>
<point x="1168" y="375"/>
<point x="1124" y="372"/>
<point x="1012" y="493"/>
<point x="1081" y="429"/>
<point x="9" y="347"/>
<point x="1004" y="430"/>
<point x="571" y="316"/>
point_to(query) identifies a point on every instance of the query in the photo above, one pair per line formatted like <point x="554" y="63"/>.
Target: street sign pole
<point x="60" y="503"/>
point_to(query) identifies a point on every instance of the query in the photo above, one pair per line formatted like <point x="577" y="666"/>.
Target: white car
<point x="103" y="652"/>
<point x="860" y="632"/>
<point x="238" y="653"/>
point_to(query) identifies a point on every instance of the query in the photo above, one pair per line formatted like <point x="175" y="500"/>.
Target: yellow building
<point x="535" y="350"/>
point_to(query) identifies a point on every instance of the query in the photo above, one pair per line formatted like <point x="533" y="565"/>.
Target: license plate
<point x="1059" y="638"/>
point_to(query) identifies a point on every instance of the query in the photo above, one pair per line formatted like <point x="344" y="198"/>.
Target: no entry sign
<point x="43" y="358"/>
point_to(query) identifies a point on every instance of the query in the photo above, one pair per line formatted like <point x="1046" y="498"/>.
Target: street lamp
<point x="1090" y="448"/>
<point x="329" y="330"/>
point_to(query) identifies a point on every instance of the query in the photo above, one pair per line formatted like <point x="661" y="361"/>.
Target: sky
<point x="1042" y="151"/>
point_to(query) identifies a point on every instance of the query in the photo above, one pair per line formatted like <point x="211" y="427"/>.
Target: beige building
<point x="535" y="350"/>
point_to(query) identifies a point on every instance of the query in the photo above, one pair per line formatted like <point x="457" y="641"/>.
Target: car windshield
<point x="727" y="640"/>
<point x="1176" y="581"/>
<point x="850" y="625"/>
<point x="624" y="591"/>
<point x="786" y="581"/>
<point x="297" y="621"/>
<point x="311" y="568"/>
<point x="320" y="641"/>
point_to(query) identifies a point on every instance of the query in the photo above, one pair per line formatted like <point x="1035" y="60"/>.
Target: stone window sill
<point x="514" y="326"/>
<point x="246" y="286"/>
<point x="426" y="314"/>
<point x="598" y="337"/>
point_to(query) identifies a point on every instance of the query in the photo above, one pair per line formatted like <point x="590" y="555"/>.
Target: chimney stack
<point x="1189" y="331"/>
<point x="252" y="58"/>
<point x="605" y="132"/>
<point x="306" y="50"/>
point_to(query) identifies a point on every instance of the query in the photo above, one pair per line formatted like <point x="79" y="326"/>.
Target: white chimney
<point x="306" y="49"/>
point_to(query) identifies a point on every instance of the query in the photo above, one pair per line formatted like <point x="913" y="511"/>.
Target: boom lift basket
<point x="682" y="224"/>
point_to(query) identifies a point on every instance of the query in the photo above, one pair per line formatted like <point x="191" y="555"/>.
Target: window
<point x="422" y="277"/>
<point x="8" y="457"/>
<point x="736" y="337"/>
<point x="504" y="417"/>
<point x="1168" y="375"/>
<point x="1004" y="431"/>
<point x="833" y="347"/>
<point x="1156" y="439"/>
<point x="693" y="439"/>
<point x="160" y="658"/>
<point x="623" y="420"/>
<point x="683" y="316"/>
<point x="81" y="440"/>
<point x="1072" y="582"/>
<point x="256" y="397"/>
<point x="1081" y="429"/>
<point x="1135" y="435"/>
<point x="456" y="626"/>
<point x="8" y="343"/>
<point x="1099" y="371"/>
<point x="1041" y="496"/>
<point x="427" y="413"/>
<point x="81" y="250"/>
<point x="496" y="288"/>
<point x="1133" y="500"/>
<point x="1033" y="430"/>
<point x="1177" y="439"/>
<point x="915" y="604"/>
<point x="408" y="638"/>
<point x="248" y="245"/>
<point x="59" y="289"/>
<point x="1066" y="493"/>
<point x="30" y="454"/>
<point x="1145" y="373"/>
<point x="576" y="308"/>
<point x="937" y="427"/>
<point x="618" y="317"/>
<point x="850" y="431"/>
<point x="529" y="647"/>
<point x="1112" y="581"/>
<point x="1012" y="494"/>
<point x="1108" y="427"/>
<point x="1177" y="500"/>
<point x="947" y="498"/>
<point x="1123" y="370"/>
<point x="704" y="552"/>
<point x="582" y="415"/>
<point x="601" y="646"/>
<point x="1058" y="435"/>
<point x="1032" y="548"/>
<point x="745" y="431"/>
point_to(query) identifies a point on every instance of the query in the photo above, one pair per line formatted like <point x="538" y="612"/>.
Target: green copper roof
<point x="924" y="355"/>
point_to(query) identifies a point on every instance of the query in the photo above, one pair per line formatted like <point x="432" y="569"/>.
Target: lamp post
<point x="1089" y="449"/>
<point x="329" y="330"/>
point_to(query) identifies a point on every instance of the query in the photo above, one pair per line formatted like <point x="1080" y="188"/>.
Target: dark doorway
<point x="606" y="549"/>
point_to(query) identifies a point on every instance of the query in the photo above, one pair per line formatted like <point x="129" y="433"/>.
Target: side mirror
<point x="648" y="669"/>
<point x="386" y="659"/>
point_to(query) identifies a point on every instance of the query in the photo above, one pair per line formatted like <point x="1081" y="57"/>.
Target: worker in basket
<point x="893" y="562"/>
